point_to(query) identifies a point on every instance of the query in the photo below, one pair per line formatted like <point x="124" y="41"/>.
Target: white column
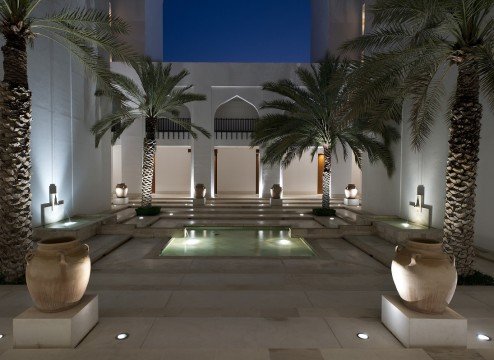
<point x="202" y="147"/>
<point x="270" y="175"/>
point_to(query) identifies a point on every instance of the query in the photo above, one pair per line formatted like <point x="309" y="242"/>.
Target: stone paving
<point x="239" y="308"/>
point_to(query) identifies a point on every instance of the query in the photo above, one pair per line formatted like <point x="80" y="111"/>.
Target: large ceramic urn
<point x="121" y="190"/>
<point x="276" y="190"/>
<point x="424" y="276"/>
<point x="351" y="191"/>
<point x="57" y="273"/>
<point x="200" y="191"/>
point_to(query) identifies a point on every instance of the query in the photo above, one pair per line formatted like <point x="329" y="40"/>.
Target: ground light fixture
<point x="331" y="218"/>
<point x="301" y="214"/>
<point x="483" y="337"/>
<point x="405" y="225"/>
<point x="69" y="223"/>
<point x="2" y="336"/>
<point x="171" y="214"/>
<point x="363" y="336"/>
<point x="141" y="217"/>
<point x="122" y="336"/>
<point x="284" y="242"/>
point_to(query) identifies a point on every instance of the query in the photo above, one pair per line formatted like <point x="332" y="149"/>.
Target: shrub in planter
<point x="148" y="211"/>
<point x="323" y="212"/>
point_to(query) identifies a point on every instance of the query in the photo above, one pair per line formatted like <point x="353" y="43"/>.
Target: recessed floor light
<point x="363" y="336"/>
<point x="171" y="214"/>
<point x="122" y="336"/>
<point x="331" y="218"/>
<point x="483" y="337"/>
<point x="2" y="336"/>
<point x="141" y="217"/>
<point x="301" y="214"/>
<point x="405" y="225"/>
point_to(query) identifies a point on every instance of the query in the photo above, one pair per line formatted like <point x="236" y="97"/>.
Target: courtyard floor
<point x="245" y="308"/>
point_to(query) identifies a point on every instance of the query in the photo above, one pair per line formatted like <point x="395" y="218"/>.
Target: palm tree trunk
<point x="461" y="170"/>
<point x="326" y="179"/>
<point x="15" y="160"/>
<point x="148" y="161"/>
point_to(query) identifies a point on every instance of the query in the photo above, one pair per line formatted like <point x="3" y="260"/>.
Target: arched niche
<point x="235" y="118"/>
<point x="236" y="108"/>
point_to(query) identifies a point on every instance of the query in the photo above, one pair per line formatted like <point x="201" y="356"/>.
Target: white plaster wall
<point x="300" y="177"/>
<point x="173" y="169"/>
<point x="381" y="193"/>
<point x="62" y="148"/>
<point x="428" y="167"/>
<point x="236" y="170"/>
<point x="116" y="160"/>
<point x="484" y="236"/>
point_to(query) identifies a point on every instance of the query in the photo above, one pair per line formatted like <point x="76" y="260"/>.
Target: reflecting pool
<point x="236" y="241"/>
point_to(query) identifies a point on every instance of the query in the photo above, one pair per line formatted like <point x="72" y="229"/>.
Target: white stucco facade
<point x="64" y="108"/>
<point x="233" y="90"/>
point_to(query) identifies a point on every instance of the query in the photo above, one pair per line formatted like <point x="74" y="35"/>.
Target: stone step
<point x="124" y="353"/>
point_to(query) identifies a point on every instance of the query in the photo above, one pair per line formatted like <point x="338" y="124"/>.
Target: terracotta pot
<point x="57" y="273"/>
<point x="276" y="190"/>
<point x="351" y="191"/>
<point x="200" y="191"/>
<point x="424" y="276"/>
<point x="121" y="190"/>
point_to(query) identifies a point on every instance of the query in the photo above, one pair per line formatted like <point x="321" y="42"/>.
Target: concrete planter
<point x="57" y="273"/>
<point x="424" y="276"/>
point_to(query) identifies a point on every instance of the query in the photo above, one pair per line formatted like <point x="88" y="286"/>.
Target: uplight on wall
<point x="483" y="337"/>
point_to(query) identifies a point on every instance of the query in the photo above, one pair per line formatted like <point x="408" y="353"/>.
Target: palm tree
<point x="156" y="97"/>
<point x="78" y="30"/>
<point x="316" y="115"/>
<point x="412" y="47"/>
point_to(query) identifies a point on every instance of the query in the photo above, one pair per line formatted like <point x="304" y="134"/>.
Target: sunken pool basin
<point x="237" y="241"/>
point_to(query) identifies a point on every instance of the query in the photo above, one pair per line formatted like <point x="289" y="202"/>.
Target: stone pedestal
<point x="275" y="202"/>
<point x="199" y="202"/>
<point x="351" y="202"/>
<point x="34" y="329"/>
<point x="121" y="201"/>
<point x="415" y="329"/>
<point x="52" y="214"/>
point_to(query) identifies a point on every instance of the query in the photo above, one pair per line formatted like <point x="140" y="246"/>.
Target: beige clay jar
<point x="424" y="276"/>
<point x="57" y="273"/>
<point x="276" y="190"/>
<point x="200" y="191"/>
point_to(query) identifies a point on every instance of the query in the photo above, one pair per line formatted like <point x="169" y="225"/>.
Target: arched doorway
<point x="236" y="165"/>
<point x="172" y="168"/>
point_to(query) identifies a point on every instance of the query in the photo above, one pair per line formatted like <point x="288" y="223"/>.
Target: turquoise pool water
<point x="248" y="242"/>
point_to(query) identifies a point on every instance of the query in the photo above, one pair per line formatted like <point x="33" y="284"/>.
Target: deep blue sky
<point x="237" y="30"/>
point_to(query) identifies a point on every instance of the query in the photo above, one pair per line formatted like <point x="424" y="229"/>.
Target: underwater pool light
<point x="192" y="242"/>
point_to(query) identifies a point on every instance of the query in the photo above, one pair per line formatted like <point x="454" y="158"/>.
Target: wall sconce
<point x="53" y="195"/>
